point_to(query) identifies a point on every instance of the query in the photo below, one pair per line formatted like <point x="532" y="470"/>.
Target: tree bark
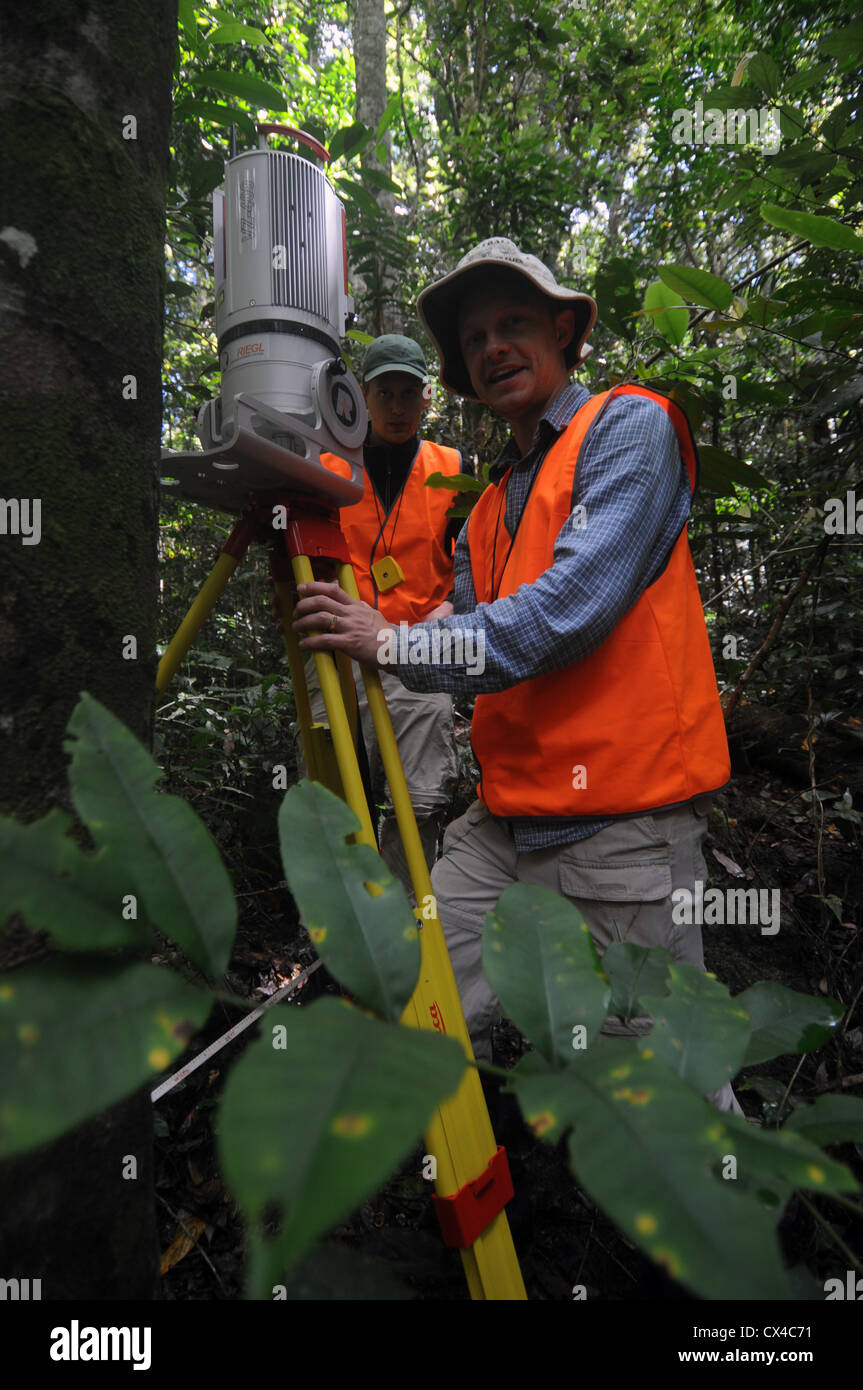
<point x="370" y="62"/>
<point x="85" y="116"/>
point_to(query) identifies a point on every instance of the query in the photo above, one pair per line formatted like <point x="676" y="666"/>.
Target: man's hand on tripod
<point x="327" y="619"/>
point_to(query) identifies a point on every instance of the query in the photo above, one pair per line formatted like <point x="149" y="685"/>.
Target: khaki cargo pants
<point x="621" y="879"/>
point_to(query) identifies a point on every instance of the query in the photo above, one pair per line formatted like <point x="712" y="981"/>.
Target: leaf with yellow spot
<point x="668" y="1261"/>
<point x="540" y="1124"/>
<point x="6" y="992"/>
<point x="641" y="1097"/>
<point x="351" y="1126"/>
<point x="639" y="1160"/>
<point x="365" y="927"/>
<point x="356" y="1096"/>
<point x="697" y="1028"/>
<point x="783" y="1156"/>
<point x="78" y="1035"/>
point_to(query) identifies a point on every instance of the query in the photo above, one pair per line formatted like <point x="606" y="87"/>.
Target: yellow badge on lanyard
<point x="387" y="573"/>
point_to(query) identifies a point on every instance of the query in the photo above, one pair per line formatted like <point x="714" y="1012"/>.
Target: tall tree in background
<point x="86" y="101"/>
<point x="370" y="57"/>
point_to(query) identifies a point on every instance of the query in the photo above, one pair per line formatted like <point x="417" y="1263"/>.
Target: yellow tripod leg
<point x="194" y="620"/>
<point x="460" y="1136"/>
<point x="318" y="752"/>
<point x="321" y="763"/>
<point x="340" y="728"/>
<point x="230" y="556"/>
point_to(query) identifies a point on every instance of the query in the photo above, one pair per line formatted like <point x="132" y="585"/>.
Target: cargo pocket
<point x="457" y="829"/>
<point x="620" y="879"/>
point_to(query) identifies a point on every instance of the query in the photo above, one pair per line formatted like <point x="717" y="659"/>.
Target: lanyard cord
<point x="495" y="589"/>
<point x="382" y="521"/>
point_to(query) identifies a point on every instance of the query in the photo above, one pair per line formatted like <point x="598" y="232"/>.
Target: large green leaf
<point x="391" y="110"/>
<point x="807" y="165"/>
<point x="830" y="1120"/>
<point x="633" y="972"/>
<point x="355" y="192"/>
<point x="764" y="1155"/>
<point x="846" y="44"/>
<point x="57" y="888"/>
<point x="216" y="114"/>
<point x="539" y="958"/>
<point x="173" y="863"/>
<point x="785" y="1021"/>
<point x="188" y="22"/>
<point x="369" y="941"/>
<point x="616" y="295"/>
<point x="349" y="140"/>
<point x="726" y="96"/>
<point x="237" y="33"/>
<point x="807" y="77"/>
<point x="765" y="74"/>
<point x="319" y="1123"/>
<point x="818" y="231"/>
<point x="76" y="1036"/>
<point x="646" y="1148"/>
<point x="699" y="286"/>
<point x="379" y="179"/>
<point x="670" y="322"/>
<point x="721" y="470"/>
<point x="241" y="84"/>
<point x="698" y="1029"/>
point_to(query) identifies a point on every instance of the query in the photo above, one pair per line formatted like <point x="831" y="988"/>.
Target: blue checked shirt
<point x="634" y="487"/>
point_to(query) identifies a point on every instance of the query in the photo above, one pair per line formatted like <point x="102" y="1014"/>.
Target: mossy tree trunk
<point x="85" y="102"/>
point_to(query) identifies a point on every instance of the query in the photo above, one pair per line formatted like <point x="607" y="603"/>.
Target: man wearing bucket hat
<point x="597" y="726"/>
<point x="400" y="544"/>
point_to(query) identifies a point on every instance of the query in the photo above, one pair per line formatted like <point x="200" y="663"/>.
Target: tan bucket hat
<point x="437" y="307"/>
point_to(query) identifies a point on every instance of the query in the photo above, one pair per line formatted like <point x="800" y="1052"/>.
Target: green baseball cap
<point x="394" y="353"/>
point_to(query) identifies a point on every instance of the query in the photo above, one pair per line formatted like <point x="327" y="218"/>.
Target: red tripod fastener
<point x="465" y="1214"/>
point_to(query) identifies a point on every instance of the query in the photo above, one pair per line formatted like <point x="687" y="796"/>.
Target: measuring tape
<point x="232" y="1033"/>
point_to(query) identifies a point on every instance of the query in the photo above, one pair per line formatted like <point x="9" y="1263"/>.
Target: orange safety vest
<point x="635" y="726"/>
<point x="412" y="533"/>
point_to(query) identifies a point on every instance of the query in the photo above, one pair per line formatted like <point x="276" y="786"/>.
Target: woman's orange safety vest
<point x="637" y="725"/>
<point x="412" y="533"/>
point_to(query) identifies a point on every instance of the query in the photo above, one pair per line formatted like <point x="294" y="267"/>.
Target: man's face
<point x="395" y="403"/>
<point x="512" y="345"/>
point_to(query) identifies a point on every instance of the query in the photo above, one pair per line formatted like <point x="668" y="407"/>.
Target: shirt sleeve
<point x="632" y="498"/>
<point x="464" y="600"/>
